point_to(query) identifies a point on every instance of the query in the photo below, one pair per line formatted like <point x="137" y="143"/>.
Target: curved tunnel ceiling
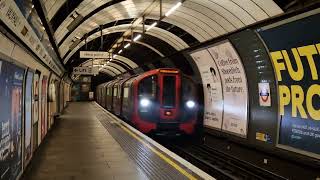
<point x="195" y="21"/>
<point x="174" y="41"/>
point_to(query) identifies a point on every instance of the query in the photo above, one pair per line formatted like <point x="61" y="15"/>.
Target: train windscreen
<point x="169" y="91"/>
<point x="148" y="87"/>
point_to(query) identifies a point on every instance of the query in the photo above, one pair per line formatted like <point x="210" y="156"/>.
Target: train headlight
<point x="145" y="102"/>
<point x="190" y="104"/>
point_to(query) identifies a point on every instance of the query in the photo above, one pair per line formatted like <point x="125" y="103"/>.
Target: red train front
<point x="161" y="101"/>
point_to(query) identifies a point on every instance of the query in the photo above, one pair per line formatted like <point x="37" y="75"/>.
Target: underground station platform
<point x="88" y="142"/>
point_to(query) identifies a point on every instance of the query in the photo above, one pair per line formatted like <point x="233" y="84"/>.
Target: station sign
<point x="94" y="54"/>
<point x="85" y="70"/>
<point x="11" y="15"/>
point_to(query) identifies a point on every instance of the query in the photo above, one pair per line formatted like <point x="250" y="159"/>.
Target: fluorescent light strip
<point x="114" y="56"/>
<point x="173" y="9"/>
<point x="127" y="45"/>
<point x="137" y="37"/>
<point x="152" y="25"/>
<point x="119" y="52"/>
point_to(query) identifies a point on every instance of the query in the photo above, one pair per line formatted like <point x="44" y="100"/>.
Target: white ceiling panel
<point x="203" y="19"/>
<point x="165" y="36"/>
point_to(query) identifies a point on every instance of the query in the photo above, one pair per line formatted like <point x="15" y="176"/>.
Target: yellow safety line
<point x="165" y="158"/>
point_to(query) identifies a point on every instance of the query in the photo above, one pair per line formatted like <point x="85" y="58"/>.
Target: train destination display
<point x="294" y="49"/>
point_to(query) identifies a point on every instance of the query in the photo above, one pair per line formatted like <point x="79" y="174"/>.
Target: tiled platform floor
<point x="80" y="148"/>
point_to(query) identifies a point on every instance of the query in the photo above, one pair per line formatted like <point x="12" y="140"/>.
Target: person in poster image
<point x="209" y="94"/>
<point x="214" y="75"/>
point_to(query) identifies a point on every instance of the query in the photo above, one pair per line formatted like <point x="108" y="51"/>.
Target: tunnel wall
<point x="292" y="133"/>
<point x="30" y="98"/>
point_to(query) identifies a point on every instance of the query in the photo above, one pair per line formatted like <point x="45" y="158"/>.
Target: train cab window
<point x="169" y="91"/>
<point x="147" y="90"/>
<point x="148" y="87"/>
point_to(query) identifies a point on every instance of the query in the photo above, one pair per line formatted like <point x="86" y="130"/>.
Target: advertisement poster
<point x="35" y="115"/>
<point x="16" y="118"/>
<point x="28" y="116"/>
<point x="52" y="92"/>
<point x="294" y="48"/>
<point x="213" y="97"/>
<point x="36" y="98"/>
<point x="235" y="90"/>
<point x="11" y="83"/>
<point x="44" y="106"/>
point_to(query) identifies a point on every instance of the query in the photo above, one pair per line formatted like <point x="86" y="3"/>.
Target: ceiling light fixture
<point x="173" y="8"/>
<point x="137" y="37"/>
<point x="119" y="52"/>
<point x="127" y="45"/>
<point x="152" y="25"/>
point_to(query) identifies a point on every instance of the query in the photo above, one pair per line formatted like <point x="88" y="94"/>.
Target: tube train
<point x="160" y="101"/>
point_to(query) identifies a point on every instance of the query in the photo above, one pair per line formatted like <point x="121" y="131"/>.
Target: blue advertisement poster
<point x="11" y="83"/>
<point x="28" y="116"/>
<point x="294" y="50"/>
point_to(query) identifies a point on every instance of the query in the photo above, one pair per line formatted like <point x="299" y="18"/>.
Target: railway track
<point x="219" y="164"/>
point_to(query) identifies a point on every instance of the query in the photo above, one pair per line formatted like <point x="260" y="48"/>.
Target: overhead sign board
<point x="94" y="54"/>
<point x="85" y="70"/>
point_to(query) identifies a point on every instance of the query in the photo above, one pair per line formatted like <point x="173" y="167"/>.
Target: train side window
<point x="108" y="91"/>
<point x="126" y="92"/>
<point x="187" y="89"/>
<point x="148" y="87"/>
<point x="115" y="91"/>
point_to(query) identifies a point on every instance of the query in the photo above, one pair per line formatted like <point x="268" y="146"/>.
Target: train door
<point x="169" y="95"/>
<point x="114" y="97"/>
<point x="127" y="99"/>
